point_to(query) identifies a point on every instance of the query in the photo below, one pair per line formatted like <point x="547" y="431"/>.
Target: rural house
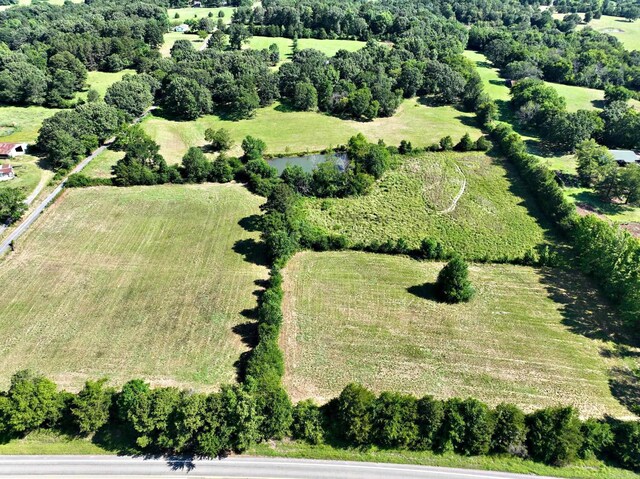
<point x="624" y="157"/>
<point x="184" y="28"/>
<point x="11" y="150"/>
<point x="6" y="172"/>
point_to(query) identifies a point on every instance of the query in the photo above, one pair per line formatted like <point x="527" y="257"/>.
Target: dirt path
<point x="454" y="203"/>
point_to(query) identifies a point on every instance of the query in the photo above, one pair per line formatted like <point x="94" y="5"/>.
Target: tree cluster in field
<point x="12" y="204"/>
<point x="45" y="50"/>
<point x="598" y="169"/>
<point x="540" y="107"/>
<point x="603" y="251"/>
<point x="170" y="420"/>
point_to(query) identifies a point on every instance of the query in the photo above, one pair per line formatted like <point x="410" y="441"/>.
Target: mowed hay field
<point x="287" y="131"/>
<point x="352" y="316"/>
<point x="141" y="282"/>
<point x="494" y="216"/>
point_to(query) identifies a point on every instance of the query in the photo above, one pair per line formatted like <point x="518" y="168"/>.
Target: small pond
<point x="309" y="162"/>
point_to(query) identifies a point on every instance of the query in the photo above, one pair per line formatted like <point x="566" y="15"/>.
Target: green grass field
<point x="100" y="167"/>
<point x="492" y="218"/>
<point x="21" y="124"/>
<point x="625" y="31"/>
<point x="352" y="316"/>
<point x="100" y="81"/>
<point x="328" y="47"/>
<point x="190" y="13"/>
<point x="28" y="174"/>
<point x="132" y="282"/>
<point x="577" y="97"/>
<point x="172" y="37"/>
<point x="293" y="131"/>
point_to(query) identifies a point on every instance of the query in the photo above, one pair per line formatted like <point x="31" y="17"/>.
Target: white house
<point x="6" y="172"/>
<point x="184" y="28"/>
<point x="11" y="150"/>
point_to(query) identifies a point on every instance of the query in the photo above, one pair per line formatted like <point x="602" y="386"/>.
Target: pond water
<point x="309" y="162"/>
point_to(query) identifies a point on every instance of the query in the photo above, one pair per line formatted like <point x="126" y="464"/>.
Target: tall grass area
<point x="491" y="219"/>
<point x="373" y="319"/>
<point x="22" y="123"/>
<point x="294" y="131"/>
<point x="138" y="282"/>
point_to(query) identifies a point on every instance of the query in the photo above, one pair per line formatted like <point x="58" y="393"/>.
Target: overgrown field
<point x="352" y="316"/>
<point x="138" y="282"/>
<point x="21" y="124"/>
<point x="294" y="131"/>
<point x="493" y="217"/>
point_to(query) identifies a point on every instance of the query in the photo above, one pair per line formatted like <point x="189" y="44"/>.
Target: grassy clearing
<point x="100" y="167"/>
<point x="492" y="218"/>
<point x="618" y="213"/>
<point x="352" y="316"/>
<point x="21" y="124"/>
<point x="198" y="13"/>
<point x="28" y="174"/>
<point x="100" y="81"/>
<point x="578" y="98"/>
<point x="172" y="37"/>
<point x="137" y="282"/>
<point x="583" y="469"/>
<point x="293" y="131"/>
<point x="625" y="31"/>
<point x="328" y="47"/>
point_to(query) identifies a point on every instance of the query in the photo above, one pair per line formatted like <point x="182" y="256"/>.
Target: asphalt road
<point x="245" y="467"/>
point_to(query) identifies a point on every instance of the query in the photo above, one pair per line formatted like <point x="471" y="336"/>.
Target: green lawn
<point x="625" y="31"/>
<point x="28" y="174"/>
<point x="293" y="131"/>
<point x="172" y="37"/>
<point x="21" y="124"/>
<point x="493" y="217"/>
<point x="328" y="47"/>
<point x="577" y="97"/>
<point x="190" y="13"/>
<point x="100" y="81"/>
<point x="100" y="167"/>
<point x="133" y="282"/>
<point x="352" y="316"/>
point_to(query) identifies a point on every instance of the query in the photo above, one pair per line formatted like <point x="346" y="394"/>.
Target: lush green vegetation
<point x="21" y="124"/>
<point x="491" y="219"/>
<point x="171" y="38"/>
<point x="298" y="131"/>
<point x="198" y="13"/>
<point x="102" y="256"/>
<point x="513" y="342"/>
<point x="285" y="45"/>
<point x="100" y="81"/>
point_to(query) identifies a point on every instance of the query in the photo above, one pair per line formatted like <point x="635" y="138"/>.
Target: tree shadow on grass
<point x="426" y="291"/>
<point x="625" y="386"/>
<point x="253" y="251"/>
<point x="251" y="223"/>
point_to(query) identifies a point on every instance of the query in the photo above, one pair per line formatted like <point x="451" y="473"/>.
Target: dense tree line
<point x="604" y="251"/>
<point x="171" y="420"/>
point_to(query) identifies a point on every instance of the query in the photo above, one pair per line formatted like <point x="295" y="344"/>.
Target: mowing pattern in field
<point x="492" y="217"/>
<point x="294" y="131"/>
<point x="353" y="316"/>
<point x="135" y="282"/>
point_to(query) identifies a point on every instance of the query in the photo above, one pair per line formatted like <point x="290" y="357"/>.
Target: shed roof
<point x="7" y="148"/>
<point x="626" y="156"/>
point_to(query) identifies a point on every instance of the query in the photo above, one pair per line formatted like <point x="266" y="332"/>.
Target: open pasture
<point x="144" y="282"/>
<point x="287" y="131"/>
<point x="285" y="45"/>
<point x="101" y="81"/>
<point x="494" y="217"/>
<point x="352" y="316"/>
<point x="198" y="13"/>
<point x="21" y="124"/>
<point x="172" y="37"/>
<point x="621" y="28"/>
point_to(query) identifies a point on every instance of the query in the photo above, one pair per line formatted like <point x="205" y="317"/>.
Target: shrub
<point x="453" y="285"/>
<point x="394" y="420"/>
<point x="220" y="139"/>
<point x="80" y="180"/>
<point x="429" y="420"/>
<point x="90" y="408"/>
<point x="554" y="435"/>
<point x="597" y="436"/>
<point x="510" y="432"/>
<point x="482" y="144"/>
<point x="446" y="143"/>
<point x="465" y="144"/>
<point x="307" y="422"/>
<point x="355" y="413"/>
<point x="432" y="249"/>
<point x="626" y="447"/>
